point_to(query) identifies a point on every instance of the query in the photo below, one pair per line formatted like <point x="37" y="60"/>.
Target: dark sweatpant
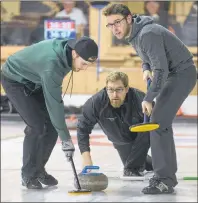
<point x="40" y="135"/>
<point x="176" y="89"/>
<point x="134" y="155"/>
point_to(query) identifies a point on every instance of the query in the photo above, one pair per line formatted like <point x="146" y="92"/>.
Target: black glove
<point x="68" y="148"/>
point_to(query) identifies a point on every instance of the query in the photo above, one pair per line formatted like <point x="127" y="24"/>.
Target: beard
<point x="116" y="103"/>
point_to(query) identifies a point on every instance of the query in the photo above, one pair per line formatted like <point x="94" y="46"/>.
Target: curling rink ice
<point x="103" y="155"/>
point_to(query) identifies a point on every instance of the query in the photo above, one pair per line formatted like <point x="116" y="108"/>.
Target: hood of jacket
<point x="63" y="51"/>
<point x="138" y="23"/>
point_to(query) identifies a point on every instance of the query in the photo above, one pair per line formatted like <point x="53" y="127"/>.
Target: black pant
<point x="40" y="135"/>
<point x="134" y="154"/>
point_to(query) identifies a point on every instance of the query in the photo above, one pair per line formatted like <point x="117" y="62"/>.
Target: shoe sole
<point x="35" y="188"/>
<point x="48" y="184"/>
<point x="170" y="191"/>
<point x="158" y="193"/>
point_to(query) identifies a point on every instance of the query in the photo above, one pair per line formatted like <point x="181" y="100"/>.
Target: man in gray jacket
<point x="115" y="108"/>
<point x="169" y="64"/>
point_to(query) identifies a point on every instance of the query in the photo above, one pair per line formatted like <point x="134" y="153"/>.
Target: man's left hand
<point x="147" y="108"/>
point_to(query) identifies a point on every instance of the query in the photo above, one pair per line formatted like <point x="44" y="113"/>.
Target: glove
<point x="68" y="148"/>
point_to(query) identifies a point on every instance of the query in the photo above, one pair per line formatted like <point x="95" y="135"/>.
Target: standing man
<point x="32" y="79"/>
<point x="174" y="75"/>
<point x="115" y="108"/>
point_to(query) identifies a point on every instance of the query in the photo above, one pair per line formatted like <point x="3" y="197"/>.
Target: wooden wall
<point x="111" y="57"/>
<point x="9" y="9"/>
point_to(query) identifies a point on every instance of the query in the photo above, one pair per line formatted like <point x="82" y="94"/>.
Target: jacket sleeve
<point x="153" y="46"/>
<point x="146" y="66"/>
<point x="86" y="124"/>
<point x="52" y="90"/>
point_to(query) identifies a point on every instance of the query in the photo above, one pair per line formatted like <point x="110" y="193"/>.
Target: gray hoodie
<point x="160" y="49"/>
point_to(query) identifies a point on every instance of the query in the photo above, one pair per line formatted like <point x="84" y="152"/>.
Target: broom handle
<point x="146" y="118"/>
<point x="75" y="174"/>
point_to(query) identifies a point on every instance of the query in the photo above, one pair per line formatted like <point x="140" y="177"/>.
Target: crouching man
<point x="115" y="108"/>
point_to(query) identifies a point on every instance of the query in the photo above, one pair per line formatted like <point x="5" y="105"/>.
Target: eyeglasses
<point x="116" y="24"/>
<point x="118" y="90"/>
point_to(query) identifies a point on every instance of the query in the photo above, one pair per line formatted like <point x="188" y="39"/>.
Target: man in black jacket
<point x="115" y="108"/>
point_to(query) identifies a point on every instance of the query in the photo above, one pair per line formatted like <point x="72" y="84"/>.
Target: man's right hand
<point x="147" y="74"/>
<point x="87" y="161"/>
<point x="68" y="148"/>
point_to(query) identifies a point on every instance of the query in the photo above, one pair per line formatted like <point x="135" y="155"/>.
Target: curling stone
<point x="93" y="181"/>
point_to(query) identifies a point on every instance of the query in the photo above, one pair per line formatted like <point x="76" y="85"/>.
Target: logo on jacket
<point x="111" y="119"/>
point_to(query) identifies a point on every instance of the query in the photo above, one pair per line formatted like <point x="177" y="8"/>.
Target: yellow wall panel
<point x="11" y="7"/>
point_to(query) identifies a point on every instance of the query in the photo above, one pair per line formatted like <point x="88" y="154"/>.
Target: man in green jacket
<point x="32" y="79"/>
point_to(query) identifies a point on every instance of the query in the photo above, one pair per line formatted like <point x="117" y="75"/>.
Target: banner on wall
<point x="59" y="28"/>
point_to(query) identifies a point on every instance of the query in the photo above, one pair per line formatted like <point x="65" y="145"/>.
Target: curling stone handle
<point x="89" y="167"/>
